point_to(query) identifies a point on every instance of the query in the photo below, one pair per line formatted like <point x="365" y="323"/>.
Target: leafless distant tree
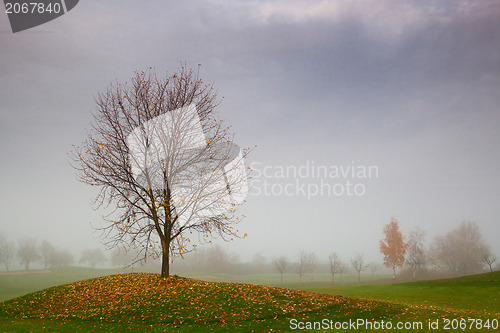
<point x="488" y="257"/>
<point x="144" y="154"/>
<point x="343" y="268"/>
<point x="373" y="267"/>
<point x="60" y="257"/>
<point x="54" y="257"/>
<point x="460" y="250"/>
<point x="7" y="252"/>
<point x="358" y="263"/>
<point x="46" y="250"/>
<point x="27" y="252"/>
<point x="234" y="259"/>
<point x="415" y="253"/>
<point x="218" y="260"/>
<point x="258" y="259"/>
<point x="335" y="264"/>
<point x="281" y="264"/>
<point x="312" y="264"/>
<point x="307" y="262"/>
<point x="93" y="257"/>
<point x="122" y="257"/>
<point x="302" y="264"/>
<point x="198" y="259"/>
<point x="259" y="264"/>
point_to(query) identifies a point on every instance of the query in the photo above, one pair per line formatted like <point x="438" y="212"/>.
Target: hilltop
<point x="144" y="302"/>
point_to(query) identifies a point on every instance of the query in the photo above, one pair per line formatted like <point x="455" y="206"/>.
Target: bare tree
<point x="259" y="264"/>
<point x="59" y="258"/>
<point x="281" y="264"/>
<point x="7" y="252"/>
<point x="93" y="257"/>
<point x="358" y="263"/>
<point x="46" y="250"/>
<point x="343" y="268"/>
<point x="302" y="264"/>
<point x="218" y="259"/>
<point x="54" y="257"/>
<point x="488" y="257"/>
<point x="199" y="259"/>
<point x="165" y="162"/>
<point x="312" y="264"/>
<point x="335" y="264"/>
<point x="27" y="251"/>
<point x="415" y="253"/>
<point x="258" y="259"/>
<point x="123" y="257"/>
<point x="234" y="259"/>
<point x="460" y="249"/>
<point x="373" y="267"/>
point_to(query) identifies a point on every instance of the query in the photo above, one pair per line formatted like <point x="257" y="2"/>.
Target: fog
<point x="359" y="112"/>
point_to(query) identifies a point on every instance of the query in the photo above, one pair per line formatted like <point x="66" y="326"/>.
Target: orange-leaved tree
<point x="393" y="246"/>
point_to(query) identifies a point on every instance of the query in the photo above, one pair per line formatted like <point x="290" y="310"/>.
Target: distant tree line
<point x="215" y="259"/>
<point x="28" y="251"/>
<point x="461" y="250"/>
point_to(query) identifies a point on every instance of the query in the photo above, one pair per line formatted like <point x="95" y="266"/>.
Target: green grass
<point x="143" y="302"/>
<point x="20" y="283"/>
<point x="289" y="279"/>
<point x="475" y="293"/>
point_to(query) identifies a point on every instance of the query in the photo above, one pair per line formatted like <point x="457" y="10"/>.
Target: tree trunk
<point x="394" y="271"/>
<point x="167" y="233"/>
<point x="165" y="263"/>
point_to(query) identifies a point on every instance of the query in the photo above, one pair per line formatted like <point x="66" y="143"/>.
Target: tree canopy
<point x="164" y="162"/>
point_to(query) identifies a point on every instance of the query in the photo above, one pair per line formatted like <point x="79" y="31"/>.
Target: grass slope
<point x="143" y="302"/>
<point x="14" y="284"/>
<point x="474" y="293"/>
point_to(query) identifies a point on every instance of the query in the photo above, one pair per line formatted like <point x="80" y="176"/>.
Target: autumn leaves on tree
<point x="393" y="246"/>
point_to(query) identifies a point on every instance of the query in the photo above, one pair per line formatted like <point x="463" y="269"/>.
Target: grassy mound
<point x="143" y="302"/>
<point x="149" y="299"/>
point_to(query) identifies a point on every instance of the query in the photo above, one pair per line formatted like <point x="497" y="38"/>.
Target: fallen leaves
<point x="148" y="299"/>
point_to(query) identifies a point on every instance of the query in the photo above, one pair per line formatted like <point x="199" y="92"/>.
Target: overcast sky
<point x="409" y="87"/>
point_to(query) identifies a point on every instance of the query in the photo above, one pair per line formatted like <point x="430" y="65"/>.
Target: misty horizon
<point x="408" y="88"/>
